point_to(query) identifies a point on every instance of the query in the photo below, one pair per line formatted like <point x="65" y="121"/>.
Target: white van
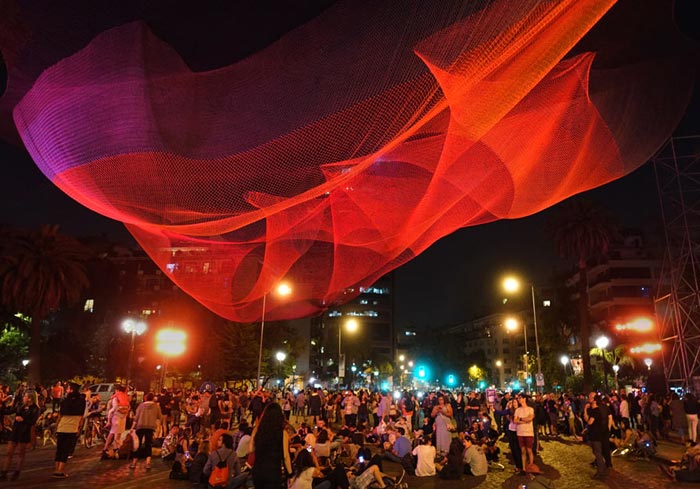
<point x="105" y="391"/>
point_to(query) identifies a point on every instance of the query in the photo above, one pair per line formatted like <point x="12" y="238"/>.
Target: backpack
<point x="219" y="475"/>
<point x="408" y="463"/>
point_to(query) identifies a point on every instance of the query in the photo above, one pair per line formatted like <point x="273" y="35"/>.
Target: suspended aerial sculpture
<point x="348" y="146"/>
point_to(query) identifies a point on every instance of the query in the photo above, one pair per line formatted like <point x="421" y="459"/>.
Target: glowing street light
<point x="499" y="363"/>
<point x="170" y="342"/>
<point x="280" y="356"/>
<point x="283" y="289"/>
<point x="616" y="369"/>
<point x="602" y="343"/>
<point x="564" y="359"/>
<point x="512" y="285"/>
<point x="132" y="327"/>
<point x="648" y="362"/>
<point x="351" y="325"/>
<point x="402" y="358"/>
<point x="638" y="325"/>
<point x="511" y="325"/>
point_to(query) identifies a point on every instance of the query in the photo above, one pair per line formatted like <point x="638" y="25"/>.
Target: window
<point x="547" y="303"/>
<point x="334" y="314"/>
<point x="89" y="305"/>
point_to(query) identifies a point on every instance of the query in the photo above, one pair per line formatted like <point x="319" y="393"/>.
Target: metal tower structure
<point x="677" y="301"/>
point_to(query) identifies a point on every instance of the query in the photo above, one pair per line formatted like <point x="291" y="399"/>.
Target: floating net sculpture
<point x="347" y="147"/>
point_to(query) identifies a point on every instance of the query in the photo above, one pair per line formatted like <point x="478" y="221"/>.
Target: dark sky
<point x="449" y="282"/>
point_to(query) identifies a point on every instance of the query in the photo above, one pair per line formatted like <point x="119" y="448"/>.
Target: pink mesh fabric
<point x="347" y="147"/>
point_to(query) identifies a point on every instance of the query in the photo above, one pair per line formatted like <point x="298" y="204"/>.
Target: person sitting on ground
<point x="402" y="446"/>
<point x="196" y="469"/>
<point x="372" y="475"/>
<point x="453" y="463"/>
<point x="475" y="462"/>
<point x="627" y="441"/>
<point x="306" y="469"/>
<point x="688" y="470"/>
<point x="169" y="447"/>
<point x="425" y="452"/>
<point x="225" y="453"/>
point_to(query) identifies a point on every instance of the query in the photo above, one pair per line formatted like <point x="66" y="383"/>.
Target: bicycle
<point x="94" y="429"/>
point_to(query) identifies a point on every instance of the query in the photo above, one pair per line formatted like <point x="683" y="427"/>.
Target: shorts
<point x="526" y="441"/>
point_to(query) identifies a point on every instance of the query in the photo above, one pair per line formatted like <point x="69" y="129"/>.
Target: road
<point x="563" y="461"/>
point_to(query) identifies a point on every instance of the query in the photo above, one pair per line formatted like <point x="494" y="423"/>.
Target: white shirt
<point x="475" y="458"/>
<point x="524" y="429"/>
<point x="426" y="460"/>
<point x="624" y="409"/>
<point x="305" y="479"/>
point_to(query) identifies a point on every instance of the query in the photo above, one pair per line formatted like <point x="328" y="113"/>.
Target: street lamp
<point x="512" y="285"/>
<point x="169" y="343"/>
<point x="648" y="362"/>
<point x="511" y="325"/>
<point x="280" y="356"/>
<point x="616" y="369"/>
<point x="132" y="327"/>
<point x="602" y="343"/>
<point x="283" y="290"/>
<point x="351" y="325"/>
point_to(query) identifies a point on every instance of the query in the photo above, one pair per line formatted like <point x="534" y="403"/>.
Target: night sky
<point x="452" y="281"/>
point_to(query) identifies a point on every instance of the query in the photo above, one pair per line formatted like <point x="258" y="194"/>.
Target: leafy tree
<point x="41" y="270"/>
<point x="582" y="231"/>
<point x="14" y="345"/>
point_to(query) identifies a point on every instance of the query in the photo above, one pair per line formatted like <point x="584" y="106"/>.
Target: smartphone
<point x="361" y="459"/>
<point x="309" y="449"/>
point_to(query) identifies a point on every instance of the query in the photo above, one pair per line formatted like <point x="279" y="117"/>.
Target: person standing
<point x="690" y="406"/>
<point x="271" y="449"/>
<point x="148" y="416"/>
<point x="69" y="423"/>
<point x="442" y="413"/>
<point x="598" y="433"/>
<point x="525" y="430"/>
<point x="116" y="417"/>
<point x="56" y="396"/>
<point x="26" y="416"/>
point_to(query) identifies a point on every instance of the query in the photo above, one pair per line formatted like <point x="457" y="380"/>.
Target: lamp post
<point x="280" y="356"/>
<point x="283" y="289"/>
<point x="133" y="328"/>
<point x="512" y="285"/>
<point x="351" y="325"/>
<point x="648" y="362"/>
<point x="511" y="326"/>
<point x="602" y="343"/>
<point x="169" y="343"/>
<point x="616" y="369"/>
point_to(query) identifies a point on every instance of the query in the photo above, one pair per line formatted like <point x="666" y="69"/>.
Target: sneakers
<point x="59" y="475"/>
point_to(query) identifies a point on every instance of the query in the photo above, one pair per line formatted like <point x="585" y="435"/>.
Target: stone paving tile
<point x="563" y="461"/>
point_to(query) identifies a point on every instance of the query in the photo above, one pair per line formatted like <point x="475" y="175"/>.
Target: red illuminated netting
<point x="346" y="148"/>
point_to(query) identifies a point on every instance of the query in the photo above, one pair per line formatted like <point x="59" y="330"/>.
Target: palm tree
<point x="40" y="271"/>
<point x="581" y="231"/>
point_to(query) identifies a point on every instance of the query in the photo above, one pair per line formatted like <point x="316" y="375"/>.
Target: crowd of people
<point x="338" y="439"/>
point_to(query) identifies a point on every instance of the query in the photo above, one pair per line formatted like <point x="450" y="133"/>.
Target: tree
<point x="41" y="270"/>
<point x="582" y="231"/>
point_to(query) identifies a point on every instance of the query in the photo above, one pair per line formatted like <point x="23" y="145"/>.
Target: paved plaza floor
<point x="565" y="462"/>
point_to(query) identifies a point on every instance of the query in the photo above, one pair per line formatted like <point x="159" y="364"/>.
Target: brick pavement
<point x="563" y="461"/>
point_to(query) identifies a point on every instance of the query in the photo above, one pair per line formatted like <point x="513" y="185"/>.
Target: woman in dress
<point x="442" y="413"/>
<point x="26" y="416"/>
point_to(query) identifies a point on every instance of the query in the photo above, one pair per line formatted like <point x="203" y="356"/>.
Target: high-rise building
<point x="371" y="341"/>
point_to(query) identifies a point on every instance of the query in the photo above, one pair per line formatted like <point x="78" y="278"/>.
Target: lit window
<point x="89" y="305"/>
<point x="364" y="301"/>
<point x="205" y="267"/>
<point x="547" y="303"/>
<point x="171" y="267"/>
<point x="334" y="314"/>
